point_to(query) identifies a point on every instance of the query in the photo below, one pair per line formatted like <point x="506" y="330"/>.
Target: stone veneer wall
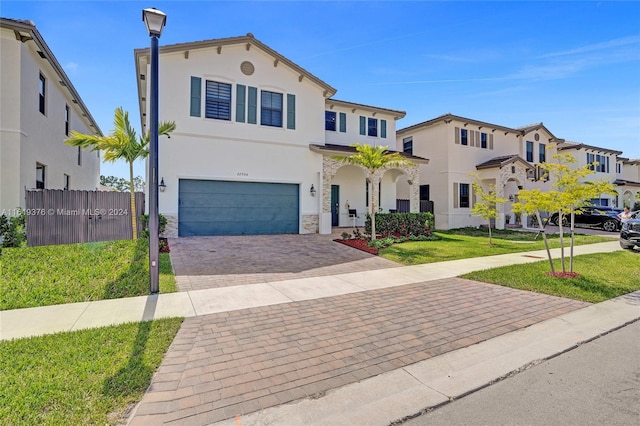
<point x="311" y="223"/>
<point x="171" y="231"/>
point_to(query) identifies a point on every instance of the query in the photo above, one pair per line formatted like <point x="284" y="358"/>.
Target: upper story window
<point x="79" y="156"/>
<point x="483" y="140"/>
<point x="42" y="99"/>
<point x="407" y="145"/>
<point x="372" y="127"/>
<point x="530" y="151"/>
<point x="67" y="179"/>
<point x="271" y="109"/>
<point x="618" y="168"/>
<point x="66" y="120"/>
<point x="330" y="120"/>
<point x="543" y="153"/>
<point x="218" y="100"/>
<point x="464" y="137"/>
<point x="40" y="176"/>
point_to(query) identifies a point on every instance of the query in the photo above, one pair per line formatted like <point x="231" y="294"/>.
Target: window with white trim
<point x="464" y="195"/>
<point x="372" y="127"/>
<point x="66" y="120"/>
<point x="330" y="120"/>
<point x="40" y="176"/>
<point x="217" y="100"/>
<point x="407" y="145"/>
<point x="271" y="109"/>
<point x="530" y="151"/>
<point x="42" y="94"/>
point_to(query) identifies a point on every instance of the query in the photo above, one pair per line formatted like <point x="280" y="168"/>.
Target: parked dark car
<point x="601" y="217"/>
<point x="630" y="234"/>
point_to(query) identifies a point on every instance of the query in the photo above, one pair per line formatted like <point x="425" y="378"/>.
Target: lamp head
<point x="154" y="20"/>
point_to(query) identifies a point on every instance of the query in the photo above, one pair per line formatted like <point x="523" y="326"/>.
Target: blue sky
<point x="573" y="65"/>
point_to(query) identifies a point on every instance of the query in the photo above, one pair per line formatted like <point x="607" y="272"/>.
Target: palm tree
<point x="374" y="158"/>
<point x="121" y="144"/>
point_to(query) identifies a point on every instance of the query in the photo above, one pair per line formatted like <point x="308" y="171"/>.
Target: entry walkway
<point x="76" y="316"/>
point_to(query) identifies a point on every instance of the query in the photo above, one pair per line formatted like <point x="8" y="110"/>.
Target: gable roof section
<point x="142" y="59"/>
<point x="503" y="161"/>
<point x="330" y="103"/>
<point x="448" y="117"/>
<point x="26" y="31"/>
<point x="538" y="126"/>
<point x="578" y="146"/>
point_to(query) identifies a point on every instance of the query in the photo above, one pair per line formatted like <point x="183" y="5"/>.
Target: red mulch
<point x="164" y="245"/>
<point x="358" y="244"/>
<point x="563" y="274"/>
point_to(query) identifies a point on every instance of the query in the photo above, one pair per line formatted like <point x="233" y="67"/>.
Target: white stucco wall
<point x="203" y="148"/>
<point x="352" y="134"/>
<point x="28" y="136"/>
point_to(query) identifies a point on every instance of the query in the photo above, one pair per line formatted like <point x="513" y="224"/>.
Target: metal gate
<point x="56" y="216"/>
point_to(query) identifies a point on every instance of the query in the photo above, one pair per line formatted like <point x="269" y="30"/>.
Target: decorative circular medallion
<point x="247" y="68"/>
<point x="536" y="137"/>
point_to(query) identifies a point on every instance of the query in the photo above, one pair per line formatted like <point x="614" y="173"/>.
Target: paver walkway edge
<point x="76" y="316"/>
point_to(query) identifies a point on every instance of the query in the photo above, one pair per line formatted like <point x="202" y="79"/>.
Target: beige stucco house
<point x="255" y="142"/>
<point x="40" y="107"/>
<point x="458" y="147"/>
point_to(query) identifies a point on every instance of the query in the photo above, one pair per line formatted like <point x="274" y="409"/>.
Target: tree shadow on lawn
<point x="134" y="278"/>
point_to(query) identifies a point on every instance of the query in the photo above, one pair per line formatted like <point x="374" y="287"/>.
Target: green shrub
<point x="13" y="232"/>
<point x="404" y="224"/>
<point x="162" y="224"/>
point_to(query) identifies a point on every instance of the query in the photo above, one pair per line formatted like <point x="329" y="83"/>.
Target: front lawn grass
<point x="50" y="275"/>
<point x="470" y="242"/>
<point x="88" y="377"/>
<point x="602" y="276"/>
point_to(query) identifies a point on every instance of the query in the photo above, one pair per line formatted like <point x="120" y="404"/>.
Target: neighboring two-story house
<point x="628" y="182"/>
<point x="256" y="140"/>
<point x="40" y="107"/>
<point x="458" y="147"/>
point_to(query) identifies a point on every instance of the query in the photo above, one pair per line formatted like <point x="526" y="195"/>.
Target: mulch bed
<point x="563" y="274"/>
<point x="358" y="244"/>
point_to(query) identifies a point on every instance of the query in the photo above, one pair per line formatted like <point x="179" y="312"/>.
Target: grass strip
<point x="82" y="377"/>
<point x="50" y="275"/>
<point x="601" y="277"/>
<point x="464" y="244"/>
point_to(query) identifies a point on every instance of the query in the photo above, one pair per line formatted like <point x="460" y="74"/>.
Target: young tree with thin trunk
<point x="122" y="144"/>
<point x="373" y="159"/>
<point x="486" y="202"/>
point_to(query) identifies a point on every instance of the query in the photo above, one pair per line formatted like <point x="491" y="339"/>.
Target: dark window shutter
<point x="343" y="122"/>
<point x="291" y="111"/>
<point x="457" y="135"/>
<point x="196" y="93"/>
<point x="363" y="125"/>
<point x="383" y="128"/>
<point x="252" y="110"/>
<point x="472" y="138"/>
<point x="490" y="141"/>
<point x="241" y="100"/>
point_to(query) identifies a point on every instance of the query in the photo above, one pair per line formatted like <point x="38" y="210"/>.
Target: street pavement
<point x="598" y="383"/>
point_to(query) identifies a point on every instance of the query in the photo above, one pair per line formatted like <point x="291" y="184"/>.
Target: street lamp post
<point x="154" y="21"/>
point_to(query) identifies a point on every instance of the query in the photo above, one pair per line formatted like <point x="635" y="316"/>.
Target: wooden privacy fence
<point x="404" y="206"/>
<point x="56" y="216"/>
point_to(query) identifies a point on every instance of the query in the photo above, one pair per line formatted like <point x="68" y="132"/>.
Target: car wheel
<point x="610" y="225"/>
<point x="565" y="221"/>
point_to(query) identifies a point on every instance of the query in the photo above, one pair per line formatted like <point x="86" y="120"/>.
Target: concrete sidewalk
<point x="76" y="316"/>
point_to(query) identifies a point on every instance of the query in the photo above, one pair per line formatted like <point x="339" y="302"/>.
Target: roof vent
<point x="247" y="68"/>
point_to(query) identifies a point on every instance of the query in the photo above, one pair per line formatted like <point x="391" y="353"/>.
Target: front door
<point x="335" y="205"/>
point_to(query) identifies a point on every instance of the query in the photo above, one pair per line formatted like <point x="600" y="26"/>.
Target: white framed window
<point x="67" y="180"/>
<point x="40" y="176"/>
<point x="42" y="95"/>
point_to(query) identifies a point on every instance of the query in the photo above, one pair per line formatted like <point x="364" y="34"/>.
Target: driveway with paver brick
<point x="221" y="261"/>
<point x="228" y="364"/>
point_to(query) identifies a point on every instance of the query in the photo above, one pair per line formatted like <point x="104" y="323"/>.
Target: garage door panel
<point x="236" y="208"/>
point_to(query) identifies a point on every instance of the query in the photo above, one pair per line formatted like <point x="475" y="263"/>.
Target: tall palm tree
<point x="374" y="158"/>
<point x="122" y="144"/>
